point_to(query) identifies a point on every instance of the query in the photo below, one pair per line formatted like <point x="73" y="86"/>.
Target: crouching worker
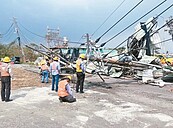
<point x="64" y="90"/>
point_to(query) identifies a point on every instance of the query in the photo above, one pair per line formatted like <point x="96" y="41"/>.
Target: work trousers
<point x="5" y="87"/>
<point x="45" y="75"/>
<point x="55" y="80"/>
<point x="68" y="99"/>
<point x="80" y="81"/>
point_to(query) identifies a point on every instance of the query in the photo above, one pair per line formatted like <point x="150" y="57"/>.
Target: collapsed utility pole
<point x="18" y="38"/>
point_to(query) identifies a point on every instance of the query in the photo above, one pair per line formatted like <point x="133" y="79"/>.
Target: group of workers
<point x="54" y="70"/>
<point x="62" y="87"/>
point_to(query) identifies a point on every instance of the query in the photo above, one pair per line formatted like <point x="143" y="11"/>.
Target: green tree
<point x="13" y="49"/>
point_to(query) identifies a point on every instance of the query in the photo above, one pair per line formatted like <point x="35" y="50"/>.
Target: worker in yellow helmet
<point x="44" y="72"/>
<point x="80" y="72"/>
<point x="55" y="71"/>
<point x="64" y="90"/>
<point x="6" y="74"/>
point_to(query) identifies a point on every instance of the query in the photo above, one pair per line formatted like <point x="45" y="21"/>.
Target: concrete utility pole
<point x="18" y="38"/>
<point x="88" y="44"/>
<point x="88" y="47"/>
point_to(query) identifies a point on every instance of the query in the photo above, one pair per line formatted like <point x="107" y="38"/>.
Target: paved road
<point x="127" y="104"/>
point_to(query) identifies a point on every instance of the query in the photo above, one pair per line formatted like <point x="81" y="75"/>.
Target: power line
<point x="8" y="35"/>
<point x="158" y="30"/>
<point x="119" y="21"/>
<point x="164" y="41"/>
<point x="73" y="42"/>
<point x="7" y="30"/>
<point x="25" y="37"/>
<point x="137" y="31"/>
<point x="80" y="40"/>
<point x="137" y="21"/>
<point x="6" y="38"/>
<point x="32" y="32"/>
<point x="108" y="17"/>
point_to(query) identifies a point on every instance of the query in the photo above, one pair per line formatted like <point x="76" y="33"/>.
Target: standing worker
<point x="48" y="61"/>
<point x="55" y="71"/>
<point x="64" y="90"/>
<point x="80" y="72"/>
<point x="44" y="72"/>
<point x="5" y="70"/>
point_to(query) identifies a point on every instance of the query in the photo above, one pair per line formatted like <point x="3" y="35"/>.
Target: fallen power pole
<point x="56" y="54"/>
<point x="43" y="53"/>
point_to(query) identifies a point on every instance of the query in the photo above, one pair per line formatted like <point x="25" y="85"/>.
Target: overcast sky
<point x="75" y="18"/>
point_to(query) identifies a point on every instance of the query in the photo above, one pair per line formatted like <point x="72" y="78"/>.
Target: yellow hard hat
<point x="68" y="77"/>
<point x="46" y="57"/>
<point x="82" y="56"/>
<point x="55" y="58"/>
<point x="42" y="62"/>
<point x="6" y="59"/>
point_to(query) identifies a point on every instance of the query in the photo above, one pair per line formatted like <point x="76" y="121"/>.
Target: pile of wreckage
<point x="138" y="60"/>
<point x="149" y="69"/>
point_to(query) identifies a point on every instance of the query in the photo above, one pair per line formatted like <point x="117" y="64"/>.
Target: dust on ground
<point x="23" y="77"/>
<point x="120" y="103"/>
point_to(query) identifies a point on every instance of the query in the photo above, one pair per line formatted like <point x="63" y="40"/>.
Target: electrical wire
<point x="108" y="17"/>
<point x="157" y="29"/>
<point x="138" y="30"/>
<point x="138" y="20"/>
<point x="160" y="28"/>
<point x="79" y="41"/>
<point x="20" y="35"/>
<point x="81" y="38"/>
<point x="32" y="32"/>
<point x="75" y="42"/>
<point x="8" y="36"/>
<point x="150" y="45"/>
<point x="24" y="37"/>
<point x="7" y="30"/>
<point x="164" y="41"/>
<point x="118" y="21"/>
